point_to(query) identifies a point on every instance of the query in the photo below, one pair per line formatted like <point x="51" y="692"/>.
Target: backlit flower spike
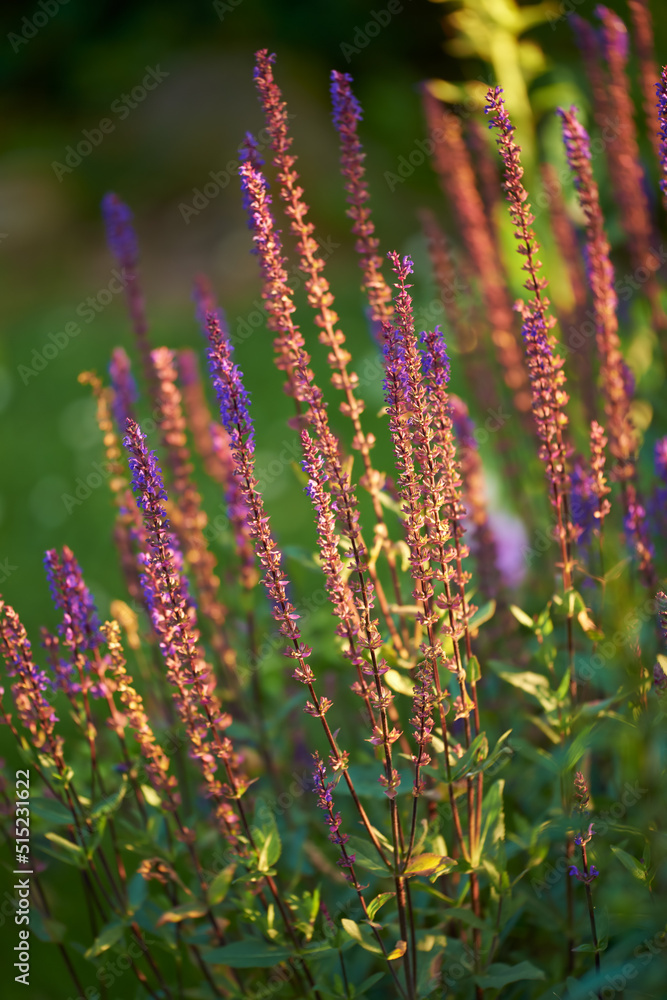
<point x="237" y="509"/>
<point x="601" y="279"/>
<point x="661" y="90"/>
<point x="191" y="523"/>
<point x="623" y="155"/>
<point x="323" y="790"/>
<point x="121" y="237"/>
<point x="338" y="588"/>
<point x="347" y="114"/>
<point x="122" y="241"/>
<point x="190" y="676"/>
<point x="547" y="379"/>
<point x="648" y="73"/>
<point x="623" y="442"/>
<point x="124" y="387"/>
<point x="198" y="415"/>
<point x="155" y="761"/>
<point x="205" y="302"/>
<point x="312" y="262"/>
<point x="276" y="293"/>
<point x="128" y="533"/>
<point x="30" y="683"/>
<point x="80" y="627"/>
<point x="417" y="509"/>
<point x="292" y="357"/>
<point x="234" y="410"/>
<point x="454" y="167"/>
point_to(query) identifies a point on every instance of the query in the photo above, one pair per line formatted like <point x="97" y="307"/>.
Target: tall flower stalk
<point x="547" y="378"/>
<point x="311" y="262"/>
<point x="622" y="435"/>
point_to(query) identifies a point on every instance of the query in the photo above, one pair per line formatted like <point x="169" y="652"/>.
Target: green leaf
<point x="483" y="614"/>
<point x="366" y="856"/>
<point x="400" y="683"/>
<point x="45" y="928"/>
<point x="473" y="670"/>
<point x="522" y="617"/>
<point x="363" y="937"/>
<point x="65" y="850"/>
<point x="498" y="753"/>
<point x="110" y="804"/>
<point x="270" y="851"/>
<point x="493" y="830"/>
<point x="247" y="955"/>
<point x="104" y="941"/>
<point x="53" y="811"/>
<point x="136" y="892"/>
<point x="266" y="837"/>
<point x="398" y="952"/>
<point x="429" y="864"/>
<point x="478" y="748"/>
<point x="379" y="901"/>
<point x="185" y="911"/>
<point x="616" y="570"/>
<point x="151" y="796"/>
<point x="533" y="684"/>
<point x="498" y="975"/>
<point x="219" y="887"/>
<point x="631" y="864"/>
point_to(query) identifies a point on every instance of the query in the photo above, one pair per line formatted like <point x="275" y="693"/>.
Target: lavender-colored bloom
<point x="147" y="481"/>
<point x="661" y="90"/>
<point x="80" y="627"/>
<point x="660" y="459"/>
<point x="345" y="104"/>
<point x="249" y="151"/>
<point x="232" y="395"/>
<point x="583" y="502"/>
<point x="614" y="34"/>
<point x="124" y="387"/>
<point x="34" y="710"/>
<point x="323" y="790"/>
<point x="434" y="359"/>
<point x="121" y="236"/>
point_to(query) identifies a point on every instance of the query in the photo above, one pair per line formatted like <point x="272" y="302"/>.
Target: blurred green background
<point x="63" y="77"/>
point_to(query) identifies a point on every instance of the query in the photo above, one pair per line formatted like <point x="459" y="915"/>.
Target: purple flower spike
<point x="80" y="628"/>
<point x="434" y="359"/>
<point x="660" y="459"/>
<point x="661" y="89"/>
<point x="121" y="236"/>
<point x="323" y="790"/>
<point x="147" y="480"/>
<point x="232" y="394"/>
<point x="124" y="387"/>
<point x="346" y="107"/>
<point x="205" y="303"/>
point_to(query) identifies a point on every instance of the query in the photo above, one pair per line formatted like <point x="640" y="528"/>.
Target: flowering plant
<point x="444" y="722"/>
